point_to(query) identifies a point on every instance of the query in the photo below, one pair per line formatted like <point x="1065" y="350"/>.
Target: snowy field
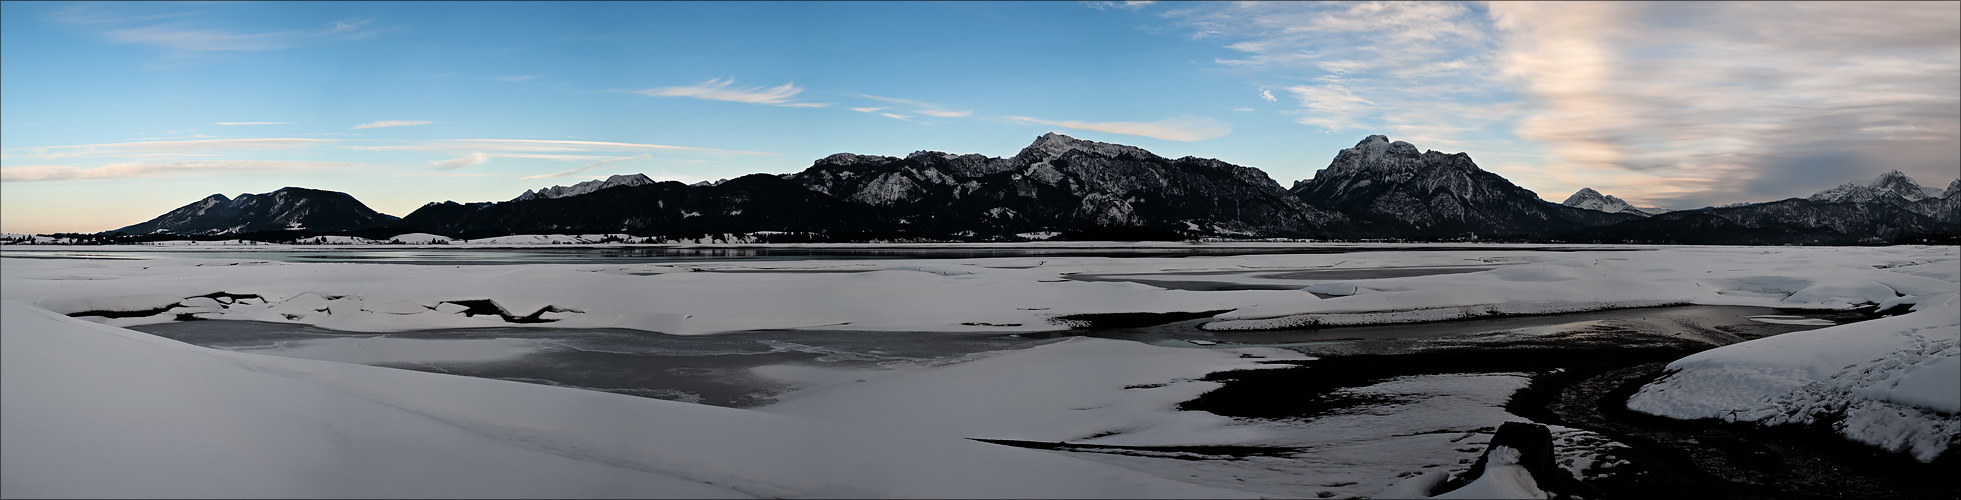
<point x="166" y="418"/>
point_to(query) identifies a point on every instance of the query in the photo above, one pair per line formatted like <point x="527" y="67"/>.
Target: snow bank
<point x="1892" y="382"/>
<point x="97" y="411"/>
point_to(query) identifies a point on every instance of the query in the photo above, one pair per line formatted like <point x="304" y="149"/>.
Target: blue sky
<point x="111" y="113"/>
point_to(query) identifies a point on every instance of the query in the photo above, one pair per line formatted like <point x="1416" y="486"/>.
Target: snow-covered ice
<point x="97" y="411"/>
<point x="849" y="438"/>
<point x="1892" y="382"/>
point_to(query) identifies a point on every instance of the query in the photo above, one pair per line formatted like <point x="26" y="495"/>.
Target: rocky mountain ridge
<point x="585" y="187"/>
<point x="287" y="209"/>
<point x="1434" y="195"/>
<point x="1379" y="189"/>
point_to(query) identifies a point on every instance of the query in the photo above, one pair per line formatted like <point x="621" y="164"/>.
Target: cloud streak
<point x="919" y="107"/>
<point x="186" y="168"/>
<point x="584" y="169"/>
<point x="185" y="41"/>
<point x="535" y="146"/>
<point x="167" y="148"/>
<point x="720" y="89"/>
<point x="469" y="160"/>
<point x="249" y="123"/>
<point x="391" y="123"/>
<point x="1184" y="128"/>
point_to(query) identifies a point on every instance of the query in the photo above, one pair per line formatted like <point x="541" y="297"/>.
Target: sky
<point x="114" y="113"/>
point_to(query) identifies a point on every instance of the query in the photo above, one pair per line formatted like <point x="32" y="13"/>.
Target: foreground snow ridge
<point x="1893" y="382"/>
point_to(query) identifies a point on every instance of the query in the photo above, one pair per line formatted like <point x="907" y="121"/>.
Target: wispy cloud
<point x="514" y="78"/>
<point x="867" y="109"/>
<point x="919" y="107"/>
<point x="250" y="123"/>
<point x="469" y="160"/>
<point x="1127" y="5"/>
<point x="392" y="123"/>
<point x="1268" y="95"/>
<point x="1331" y="107"/>
<point x="156" y="148"/>
<point x="186" y="168"/>
<point x="584" y="169"/>
<point x="720" y="89"/>
<point x="532" y="146"/>
<point x="185" y="41"/>
<point x="1184" y="128"/>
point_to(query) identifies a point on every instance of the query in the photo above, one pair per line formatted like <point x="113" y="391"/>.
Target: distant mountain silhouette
<point x="291" y="208"/>
<point x="1060" y="185"/>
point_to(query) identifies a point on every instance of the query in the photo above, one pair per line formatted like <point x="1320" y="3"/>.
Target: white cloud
<point x="507" y="146"/>
<point x="1184" y="128"/>
<point x="551" y="157"/>
<point x="186" y="168"/>
<point x="250" y="123"/>
<point x="199" y="41"/>
<point x="469" y="160"/>
<point x="173" y="148"/>
<point x="392" y="123"/>
<point x="1331" y="107"/>
<point x="866" y="109"/>
<point x="189" y="41"/>
<point x="584" y="169"/>
<point x="1127" y="4"/>
<point x="1366" y="66"/>
<point x="719" y="89"/>
<point x="1698" y="104"/>
<point x="921" y="107"/>
<point x="1242" y="109"/>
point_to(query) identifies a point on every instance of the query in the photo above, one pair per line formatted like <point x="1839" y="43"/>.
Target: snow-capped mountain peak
<point x="1889" y="187"/>
<point x="585" y="187"/>
<point x="1376" y="153"/>
<point x="1589" y="199"/>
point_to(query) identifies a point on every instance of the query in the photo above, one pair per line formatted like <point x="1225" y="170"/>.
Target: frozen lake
<point x="1087" y="351"/>
<point x="747" y="369"/>
<point x="634" y="254"/>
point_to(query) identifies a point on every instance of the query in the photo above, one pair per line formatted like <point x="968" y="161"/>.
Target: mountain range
<point x="289" y="209"/>
<point x="1378" y="189"/>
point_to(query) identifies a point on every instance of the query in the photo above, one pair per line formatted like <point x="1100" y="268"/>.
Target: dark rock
<point x="1534" y="445"/>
